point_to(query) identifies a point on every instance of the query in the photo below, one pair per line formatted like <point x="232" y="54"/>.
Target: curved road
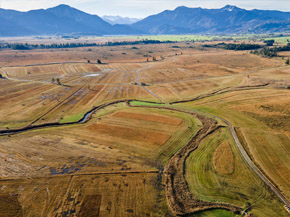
<point x="252" y="165"/>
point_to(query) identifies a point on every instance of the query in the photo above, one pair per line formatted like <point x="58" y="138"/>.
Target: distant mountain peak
<point x="181" y="7"/>
<point x="184" y="8"/>
<point x="113" y="20"/>
<point x="230" y="8"/>
<point x="62" y="6"/>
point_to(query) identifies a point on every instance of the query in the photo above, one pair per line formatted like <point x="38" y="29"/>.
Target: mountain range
<point x="64" y="19"/>
<point x="227" y="20"/>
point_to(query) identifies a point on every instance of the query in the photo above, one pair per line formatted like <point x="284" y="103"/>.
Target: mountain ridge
<point x="229" y="19"/>
<point x="61" y="19"/>
<point x="64" y="19"/>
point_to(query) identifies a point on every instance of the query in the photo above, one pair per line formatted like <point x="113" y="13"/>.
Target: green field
<point x="281" y="39"/>
<point x="68" y="119"/>
<point x="239" y="186"/>
<point x="214" y="213"/>
<point x="140" y="103"/>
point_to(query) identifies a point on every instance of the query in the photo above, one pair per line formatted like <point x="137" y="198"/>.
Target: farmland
<point x="144" y="133"/>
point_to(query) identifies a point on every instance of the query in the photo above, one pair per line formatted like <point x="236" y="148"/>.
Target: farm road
<point x="140" y="84"/>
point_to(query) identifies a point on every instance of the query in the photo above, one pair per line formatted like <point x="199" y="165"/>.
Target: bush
<point x="58" y="81"/>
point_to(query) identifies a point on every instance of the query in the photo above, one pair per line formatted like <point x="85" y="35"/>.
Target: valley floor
<point x="133" y="137"/>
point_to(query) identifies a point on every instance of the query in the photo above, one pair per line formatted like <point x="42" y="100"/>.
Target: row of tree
<point x="27" y="46"/>
<point x="230" y="46"/>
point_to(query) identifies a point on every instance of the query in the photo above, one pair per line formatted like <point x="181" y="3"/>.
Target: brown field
<point x="146" y="136"/>
<point x="223" y="159"/>
<point x="83" y="195"/>
<point x="113" y="163"/>
<point x="151" y="118"/>
<point x="131" y="143"/>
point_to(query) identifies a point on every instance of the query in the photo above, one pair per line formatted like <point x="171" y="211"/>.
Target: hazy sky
<point x="141" y="8"/>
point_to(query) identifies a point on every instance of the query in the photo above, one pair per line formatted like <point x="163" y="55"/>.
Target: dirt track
<point x="146" y="89"/>
<point x="221" y="91"/>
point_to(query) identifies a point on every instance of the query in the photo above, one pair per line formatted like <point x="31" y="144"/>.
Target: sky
<point x="141" y="8"/>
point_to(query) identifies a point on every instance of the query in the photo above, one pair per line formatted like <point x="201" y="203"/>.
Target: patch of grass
<point x="139" y="103"/>
<point x="214" y="213"/>
<point x="68" y="119"/>
<point x="192" y="37"/>
<point x="280" y="40"/>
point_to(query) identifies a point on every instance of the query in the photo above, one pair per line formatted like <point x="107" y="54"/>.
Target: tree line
<point x="230" y="46"/>
<point x="27" y="46"/>
<point x="263" y="50"/>
<point x="271" y="52"/>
